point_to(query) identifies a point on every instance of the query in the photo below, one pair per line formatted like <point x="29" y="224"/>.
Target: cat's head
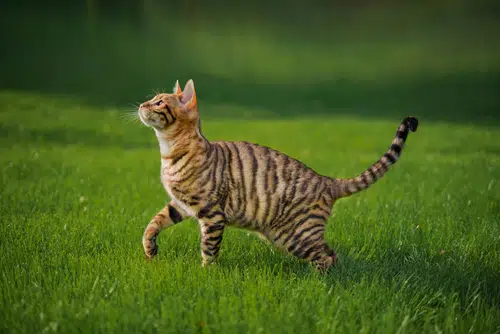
<point x="165" y="111"/>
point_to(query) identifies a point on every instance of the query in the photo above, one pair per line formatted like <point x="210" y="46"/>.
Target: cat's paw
<point x="206" y="264"/>
<point x="151" y="252"/>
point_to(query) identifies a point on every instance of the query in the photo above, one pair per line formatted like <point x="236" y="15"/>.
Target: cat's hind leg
<point x="305" y="240"/>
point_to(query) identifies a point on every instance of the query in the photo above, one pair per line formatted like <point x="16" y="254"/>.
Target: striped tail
<point x="378" y="169"/>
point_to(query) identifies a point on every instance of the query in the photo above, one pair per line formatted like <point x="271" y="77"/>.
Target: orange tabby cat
<point x="245" y="185"/>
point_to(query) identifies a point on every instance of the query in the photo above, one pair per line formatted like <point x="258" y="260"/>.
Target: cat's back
<point x="255" y="158"/>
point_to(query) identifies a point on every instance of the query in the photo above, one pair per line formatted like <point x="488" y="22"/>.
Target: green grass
<point x="419" y="251"/>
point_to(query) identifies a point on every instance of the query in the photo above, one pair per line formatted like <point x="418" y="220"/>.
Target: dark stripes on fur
<point x="174" y="214"/>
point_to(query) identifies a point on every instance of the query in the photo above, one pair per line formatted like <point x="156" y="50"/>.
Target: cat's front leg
<point x="171" y="214"/>
<point x="212" y="222"/>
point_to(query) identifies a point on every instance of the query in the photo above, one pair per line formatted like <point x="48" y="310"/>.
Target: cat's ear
<point x="188" y="97"/>
<point x="177" y="88"/>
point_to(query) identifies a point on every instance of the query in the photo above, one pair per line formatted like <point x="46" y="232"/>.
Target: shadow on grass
<point x="458" y="98"/>
<point x="121" y="57"/>
<point x="442" y="273"/>
<point x="438" y="274"/>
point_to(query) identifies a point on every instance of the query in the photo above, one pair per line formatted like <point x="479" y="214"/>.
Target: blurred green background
<point x="439" y="60"/>
<point x="325" y="82"/>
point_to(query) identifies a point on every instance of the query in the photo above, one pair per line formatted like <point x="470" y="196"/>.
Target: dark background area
<point x="439" y="60"/>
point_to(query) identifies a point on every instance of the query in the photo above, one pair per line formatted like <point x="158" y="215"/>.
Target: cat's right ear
<point x="177" y="88"/>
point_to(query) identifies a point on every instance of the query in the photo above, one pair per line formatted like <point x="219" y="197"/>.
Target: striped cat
<point x="245" y="185"/>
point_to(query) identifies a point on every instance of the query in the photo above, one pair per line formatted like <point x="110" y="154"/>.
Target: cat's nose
<point x="142" y="105"/>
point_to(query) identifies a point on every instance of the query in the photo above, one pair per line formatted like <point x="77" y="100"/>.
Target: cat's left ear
<point x="177" y="88"/>
<point x="188" y="97"/>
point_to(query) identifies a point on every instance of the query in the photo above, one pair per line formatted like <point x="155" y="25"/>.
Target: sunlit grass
<point x="419" y="251"/>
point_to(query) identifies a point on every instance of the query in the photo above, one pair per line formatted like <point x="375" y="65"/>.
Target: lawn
<point x="419" y="251"/>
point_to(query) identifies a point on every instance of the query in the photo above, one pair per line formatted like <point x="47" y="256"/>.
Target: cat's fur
<point x="246" y="185"/>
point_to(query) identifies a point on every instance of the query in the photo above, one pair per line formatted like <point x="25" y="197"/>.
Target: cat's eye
<point x="158" y="103"/>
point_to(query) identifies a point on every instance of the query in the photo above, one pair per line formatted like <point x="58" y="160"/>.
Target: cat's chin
<point x="144" y="120"/>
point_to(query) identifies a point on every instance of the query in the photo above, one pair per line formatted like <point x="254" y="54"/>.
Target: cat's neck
<point x="173" y="143"/>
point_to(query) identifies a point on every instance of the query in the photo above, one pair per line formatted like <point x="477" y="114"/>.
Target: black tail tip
<point x="412" y="123"/>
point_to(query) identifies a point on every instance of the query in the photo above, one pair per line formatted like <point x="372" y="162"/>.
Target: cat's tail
<point x="346" y="187"/>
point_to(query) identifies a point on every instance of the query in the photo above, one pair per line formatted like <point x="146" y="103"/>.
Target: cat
<point x="245" y="185"/>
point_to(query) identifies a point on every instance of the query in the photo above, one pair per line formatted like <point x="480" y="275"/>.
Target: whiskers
<point x="131" y="115"/>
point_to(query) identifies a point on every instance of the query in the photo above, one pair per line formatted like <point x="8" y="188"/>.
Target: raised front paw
<point x="150" y="252"/>
<point x="150" y="247"/>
